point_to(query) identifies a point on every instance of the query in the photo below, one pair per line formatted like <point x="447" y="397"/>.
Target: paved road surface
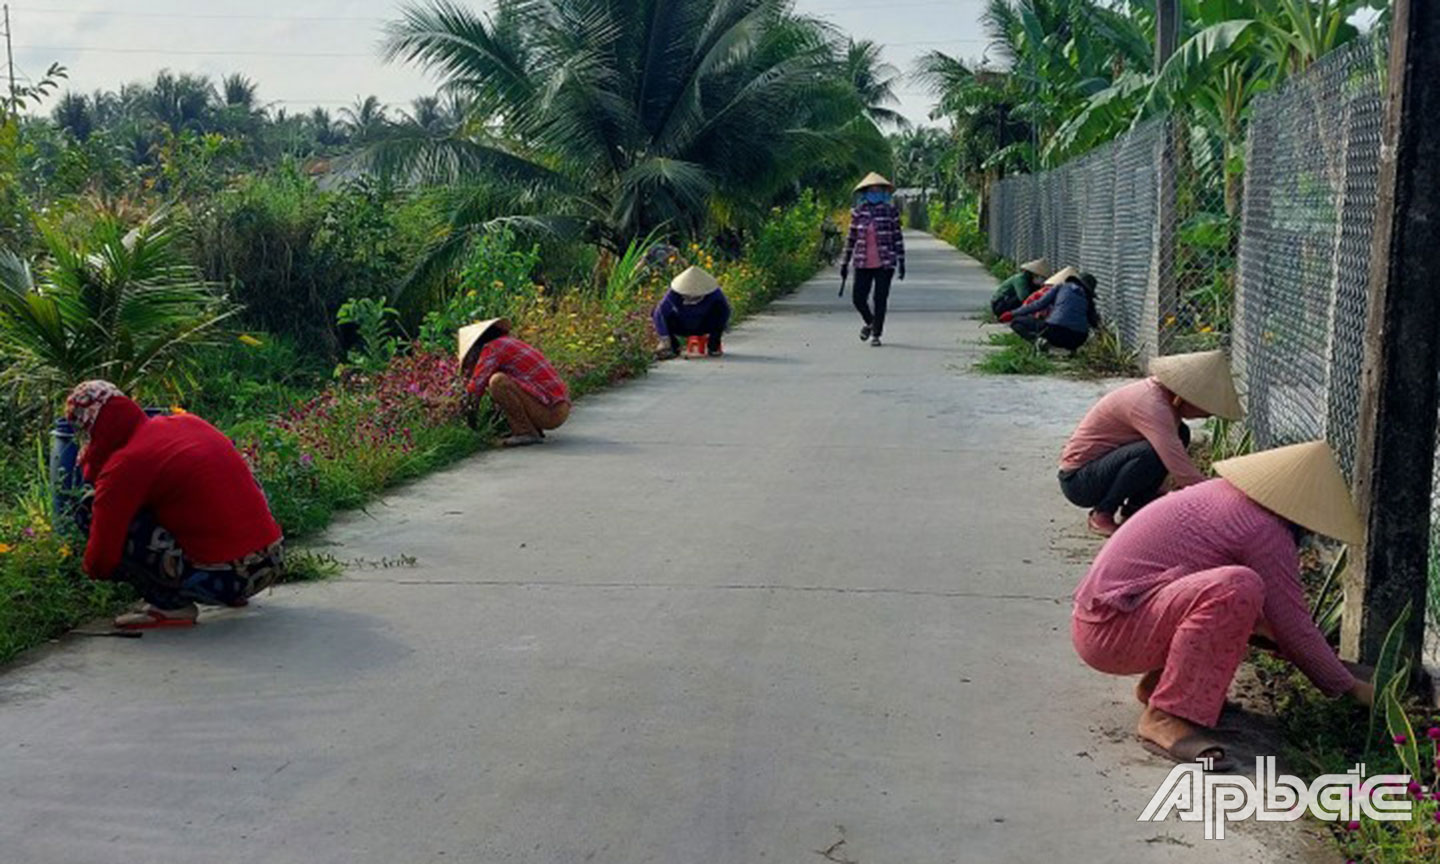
<point x="737" y="612"/>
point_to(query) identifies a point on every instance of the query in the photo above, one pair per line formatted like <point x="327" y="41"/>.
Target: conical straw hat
<point x="472" y="333"/>
<point x="1301" y="483"/>
<point x="873" y="179"/>
<point x="1062" y="276"/>
<point x="1202" y="379"/>
<point x="1040" y="267"/>
<point x="694" y="282"/>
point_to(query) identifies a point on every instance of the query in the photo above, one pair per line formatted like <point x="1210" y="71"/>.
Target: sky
<point x="304" y="53"/>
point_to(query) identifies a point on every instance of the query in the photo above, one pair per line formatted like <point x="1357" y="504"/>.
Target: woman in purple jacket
<point x="694" y="306"/>
<point x="876" y="248"/>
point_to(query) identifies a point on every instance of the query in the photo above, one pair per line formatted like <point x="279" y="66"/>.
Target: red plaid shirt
<point x="522" y="362"/>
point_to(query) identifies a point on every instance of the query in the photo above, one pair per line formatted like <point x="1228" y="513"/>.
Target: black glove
<point x="902" y="271"/>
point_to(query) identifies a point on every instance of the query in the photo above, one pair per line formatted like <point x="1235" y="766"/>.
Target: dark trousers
<point x="878" y="279"/>
<point x="712" y="326"/>
<point x="1127" y="477"/>
<point x="1005" y="303"/>
<point x="1030" y="328"/>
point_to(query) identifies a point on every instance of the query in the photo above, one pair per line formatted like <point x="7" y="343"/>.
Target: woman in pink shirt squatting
<point x="1119" y="456"/>
<point x="1176" y="595"/>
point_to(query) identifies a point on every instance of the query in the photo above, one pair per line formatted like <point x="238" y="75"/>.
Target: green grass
<point x="1014" y="356"/>
<point x="1103" y="356"/>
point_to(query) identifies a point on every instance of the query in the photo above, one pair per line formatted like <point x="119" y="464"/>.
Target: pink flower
<point x="1353" y="826"/>
<point x="1415" y="789"/>
<point x="1434" y="733"/>
<point x="1400" y="739"/>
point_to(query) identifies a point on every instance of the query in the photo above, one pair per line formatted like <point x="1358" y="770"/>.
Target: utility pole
<point x="1398" y="396"/>
<point x="10" y="61"/>
<point x="1167" y="38"/>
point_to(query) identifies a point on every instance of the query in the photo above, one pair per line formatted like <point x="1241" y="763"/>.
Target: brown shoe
<point x="1103" y="523"/>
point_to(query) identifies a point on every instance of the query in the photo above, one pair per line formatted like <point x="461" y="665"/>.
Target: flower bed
<point x="369" y="431"/>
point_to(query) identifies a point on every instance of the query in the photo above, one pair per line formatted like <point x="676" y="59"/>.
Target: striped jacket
<point x="886" y="218"/>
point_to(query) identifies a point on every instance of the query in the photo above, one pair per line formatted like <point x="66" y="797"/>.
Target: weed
<point x="305" y="565"/>
<point x="1104" y="355"/>
<point x="1014" y="357"/>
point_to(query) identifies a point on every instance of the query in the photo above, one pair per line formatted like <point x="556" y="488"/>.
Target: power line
<point x="98" y="49"/>
<point x="204" y="16"/>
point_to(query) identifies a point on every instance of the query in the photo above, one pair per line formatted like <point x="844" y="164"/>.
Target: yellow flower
<point x="1170" y="322"/>
<point x="5" y="547"/>
<point x="65" y="551"/>
<point x="1206" y="329"/>
<point x="497" y="284"/>
<point x="247" y="339"/>
<point x="176" y="409"/>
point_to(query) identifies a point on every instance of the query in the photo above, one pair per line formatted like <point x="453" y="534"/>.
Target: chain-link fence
<point x="1159" y="279"/>
<point x="1275" y="263"/>
<point x="1311" y="190"/>
<point x="1186" y="261"/>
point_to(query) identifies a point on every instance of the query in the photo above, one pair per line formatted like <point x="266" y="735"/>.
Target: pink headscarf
<point x="104" y="418"/>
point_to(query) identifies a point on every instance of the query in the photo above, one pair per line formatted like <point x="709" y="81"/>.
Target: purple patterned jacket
<point x="886" y="218"/>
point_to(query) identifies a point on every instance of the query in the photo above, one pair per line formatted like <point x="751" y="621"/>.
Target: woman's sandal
<point x="1189" y="748"/>
<point x="151" y="619"/>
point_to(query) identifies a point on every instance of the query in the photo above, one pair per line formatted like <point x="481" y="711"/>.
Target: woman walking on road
<point x="876" y="248"/>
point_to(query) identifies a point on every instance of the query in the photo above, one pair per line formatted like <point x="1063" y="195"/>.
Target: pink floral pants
<point x="1195" y="629"/>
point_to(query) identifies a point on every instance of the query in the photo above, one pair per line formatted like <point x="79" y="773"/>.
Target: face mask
<point x="876" y="196"/>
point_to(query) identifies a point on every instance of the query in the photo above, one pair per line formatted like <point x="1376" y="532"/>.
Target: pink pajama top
<point x="1209" y="525"/>
<point x="1140" y="411"/>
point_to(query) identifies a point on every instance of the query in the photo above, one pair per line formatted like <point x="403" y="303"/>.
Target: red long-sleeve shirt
<point x="194" y="482"/>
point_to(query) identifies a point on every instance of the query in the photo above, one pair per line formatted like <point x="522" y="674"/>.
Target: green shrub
<point x="292" y="253"/>
<point x="243" y="377"/>
<point x="496" y="279"/>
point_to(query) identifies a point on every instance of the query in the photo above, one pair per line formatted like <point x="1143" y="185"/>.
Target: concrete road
<point x="805" y="603"/>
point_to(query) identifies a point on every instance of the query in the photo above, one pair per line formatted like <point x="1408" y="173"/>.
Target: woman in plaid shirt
<point x="876" y="248"/>
<point x="521" y="382"/>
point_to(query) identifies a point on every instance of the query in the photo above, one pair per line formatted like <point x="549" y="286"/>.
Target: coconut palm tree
<point x="183" y="102"/>
<point x="611" y="120"/>
<point x="328" y="134"/>
<point x="119" y="305"/>
<point x="366" y="120"/>
<point x="72" y="113"/>
<point x="874" y="82"/>
<point x="426" y="113"/>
